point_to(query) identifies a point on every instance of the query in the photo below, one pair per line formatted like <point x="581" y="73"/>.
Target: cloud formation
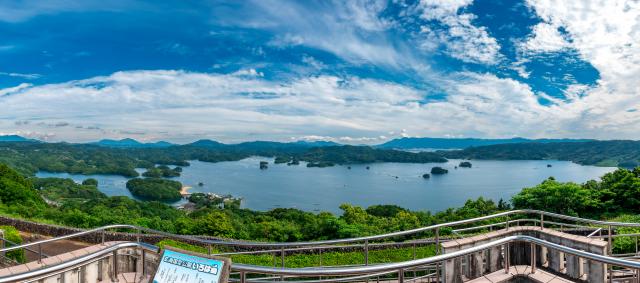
<point x="355" y="72"/>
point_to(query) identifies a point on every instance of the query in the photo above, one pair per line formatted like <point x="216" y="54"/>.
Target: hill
<point x="15" y="138"/>
<point x="621" y="153"/>
<point x="461" y="143"/>
<point x="130" y="143"/>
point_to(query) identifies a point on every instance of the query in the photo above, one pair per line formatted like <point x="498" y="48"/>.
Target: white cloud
<point x="352" y="30"/>
<point x="546" y="38"/>
<point x="182" y="106"/>
<point x="20" y="75"/>
<point x="16" y="11"/>
<point x="462" y="39"/>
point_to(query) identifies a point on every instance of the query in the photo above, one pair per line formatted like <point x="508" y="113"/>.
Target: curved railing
<point x="360" y="243"/>
<point x="435" y="227"/>
<point x="361" y="272"/>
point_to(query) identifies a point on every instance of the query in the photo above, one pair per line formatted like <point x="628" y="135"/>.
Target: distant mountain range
<point x="402" y="143"/>
<point x="131" y="143"/>
<point x="15" y="138"/>
<point x="461" y="143"/>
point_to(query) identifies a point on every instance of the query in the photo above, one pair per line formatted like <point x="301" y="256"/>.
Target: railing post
<point x="541" y="220"/>
<point x="437" y="232"/>
<point x="507" y="223"/>
<point x="282" y="261"/>
<point x="209" y="249"/>
<point x="533" y="258"/>
<point x="414" y="257"/>
<point x="401" y="275"/>
<point x="366" y="252"/>
<point x="144" y="260"/>
<point x="40" y="253"/>
<point x="636" y="244"/>
<point x="282" y="256"/>
<point x="243" y="277"/>
<point x="102" y="237"/>
<point x="321" y="257"/>
<point x="138" y="235"/>
<point x="414" y="250"/>
<point x="610" y="240"/>
<point x="506" y="258"/>
<point x="115" y="266"/>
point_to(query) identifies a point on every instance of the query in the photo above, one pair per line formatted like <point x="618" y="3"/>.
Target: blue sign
<point x="178" y="267"/>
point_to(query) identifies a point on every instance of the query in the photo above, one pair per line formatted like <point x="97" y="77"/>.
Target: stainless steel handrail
<point x="327" y="242"/>
<point x="330" y="271"/>
<point x="53" y="270"/>
<point x="338" y="271"/>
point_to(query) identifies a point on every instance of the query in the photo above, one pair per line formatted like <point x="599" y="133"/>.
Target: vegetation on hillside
<point x="601" y="153"/>
<point x="615" y="196"/>
<point x="31" y="157"/>
<point x="58" y="190"/>
<point x="155" y="189"/>
<point x="162" y="171"/>
<point x="11" y="234"/>
<point x="284" y="224"/>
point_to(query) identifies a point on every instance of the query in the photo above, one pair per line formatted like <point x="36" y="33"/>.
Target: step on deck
<point x="539" y="276"/>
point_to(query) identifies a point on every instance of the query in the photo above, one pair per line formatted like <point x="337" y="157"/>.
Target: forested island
<point x="155" y="189"/>
<point x="28" y="157"/>
<point x="600" y="153"/>
<point x="31" y="157"/>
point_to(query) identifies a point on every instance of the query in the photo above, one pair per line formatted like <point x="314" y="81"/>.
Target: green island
<point x="155" y="189"/>
<point x="162" y="171"/>
<point x="615" y="153"/>
<point x="31" y="157"/>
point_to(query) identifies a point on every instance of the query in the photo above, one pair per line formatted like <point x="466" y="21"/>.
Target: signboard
<point x="177" y="266"/>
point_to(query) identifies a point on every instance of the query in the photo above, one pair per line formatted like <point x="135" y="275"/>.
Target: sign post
<point x="179" y="266"/>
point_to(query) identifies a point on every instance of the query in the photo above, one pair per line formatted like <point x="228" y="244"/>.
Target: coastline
<point x="185" y="190"/>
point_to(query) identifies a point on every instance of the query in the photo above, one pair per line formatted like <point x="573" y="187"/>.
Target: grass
<point x="313" y="259"/>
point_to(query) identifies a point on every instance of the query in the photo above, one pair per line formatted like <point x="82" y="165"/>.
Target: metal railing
<point x="363" y="243"/>
<point x="357" y="273"/>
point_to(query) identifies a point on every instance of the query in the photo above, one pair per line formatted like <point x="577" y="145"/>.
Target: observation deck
<point x="513" y="246"/>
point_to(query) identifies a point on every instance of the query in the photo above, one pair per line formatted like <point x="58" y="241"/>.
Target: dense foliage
<point x="30" y="157"/>
<point x="616" y="193"/>
<point x="601" y="153"/>
<point x="363" y="154"/>
<point x="57" y="189"/>
<point x="155" y="189"/>
<point x="13" y="237"/>
<point x="275" y="225"/>
<point x="162" y="171"/>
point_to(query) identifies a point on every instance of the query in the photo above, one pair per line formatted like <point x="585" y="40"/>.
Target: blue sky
<point x="349" y="71"/>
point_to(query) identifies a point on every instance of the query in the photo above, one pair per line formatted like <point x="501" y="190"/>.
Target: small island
<point x="155" y="189"/>
<point x="465" y="164"/>
<point x="282" y="159"/>
<point x="426" y="176"/>
<point x="295" y="161"/>
<point x="439" y="171"/>
<point x="264" y="165"/>
<point x="162" y="171"/>
<point x="320" y="164"/>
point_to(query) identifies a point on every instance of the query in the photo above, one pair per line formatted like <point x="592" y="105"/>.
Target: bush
<point x="12" y="234"/>
<point x="155" y="189"/>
